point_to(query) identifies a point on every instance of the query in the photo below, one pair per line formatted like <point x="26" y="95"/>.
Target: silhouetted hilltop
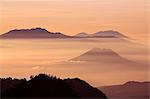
<point x="8" y="83"/>
<point x="45" y="86"/>
<point x="102" y="34"/>
<point x="83" y="89"/>
<point x="100" y="55"/>
<point x="33" y="33"/>
<point x="129" y="90"/>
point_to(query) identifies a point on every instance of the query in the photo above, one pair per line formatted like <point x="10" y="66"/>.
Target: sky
<point x="129" y="17"/>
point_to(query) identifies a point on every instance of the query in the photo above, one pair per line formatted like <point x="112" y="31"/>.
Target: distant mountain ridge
<point x="43" y="33"/>
<point x="33" y="33"/>
<point x="102" y="34"/>
<point x="128" y="90"/>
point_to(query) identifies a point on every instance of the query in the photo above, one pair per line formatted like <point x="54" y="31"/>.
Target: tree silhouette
<point x="47" y="86"/>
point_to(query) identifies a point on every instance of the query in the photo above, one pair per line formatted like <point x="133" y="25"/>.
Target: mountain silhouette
<point x="33" y="33"/>
<point x="82" y="34"/>
<point x="102" y="34"/>
<point x="43" y="33"/>
<point x="109" y="33"/>
<point x="83" y="89"/>
<point x="45" y="86"/>
<point x="129" y="90"/>
<point x="100" y="55"/>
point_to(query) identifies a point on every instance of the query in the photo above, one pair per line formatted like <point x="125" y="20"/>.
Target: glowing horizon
<point x="129" y="17"/>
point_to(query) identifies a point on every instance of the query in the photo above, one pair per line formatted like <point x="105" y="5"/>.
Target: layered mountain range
<point x="33" y="33"/>
<point x="104" y="34"/>
<point x="43" y="33"/>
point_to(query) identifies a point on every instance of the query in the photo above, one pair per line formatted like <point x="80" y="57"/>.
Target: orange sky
<point x="73" y="16"/>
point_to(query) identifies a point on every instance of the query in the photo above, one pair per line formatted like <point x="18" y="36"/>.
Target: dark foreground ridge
<point x="45" y="86"/>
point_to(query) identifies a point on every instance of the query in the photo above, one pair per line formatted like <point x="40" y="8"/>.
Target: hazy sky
<point x="73" y="16"/>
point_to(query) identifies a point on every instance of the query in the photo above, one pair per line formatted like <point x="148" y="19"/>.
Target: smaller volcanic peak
<point x="109" y="33"/>
<point x="32" y="33"/>
<point x="82" y="34"/>
<point x="102" y="34"/>
<point x="98" y="55"/>
<point x="98" y="51"/>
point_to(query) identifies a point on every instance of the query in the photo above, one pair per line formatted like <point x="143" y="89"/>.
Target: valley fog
<point x="24" y="57"/>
